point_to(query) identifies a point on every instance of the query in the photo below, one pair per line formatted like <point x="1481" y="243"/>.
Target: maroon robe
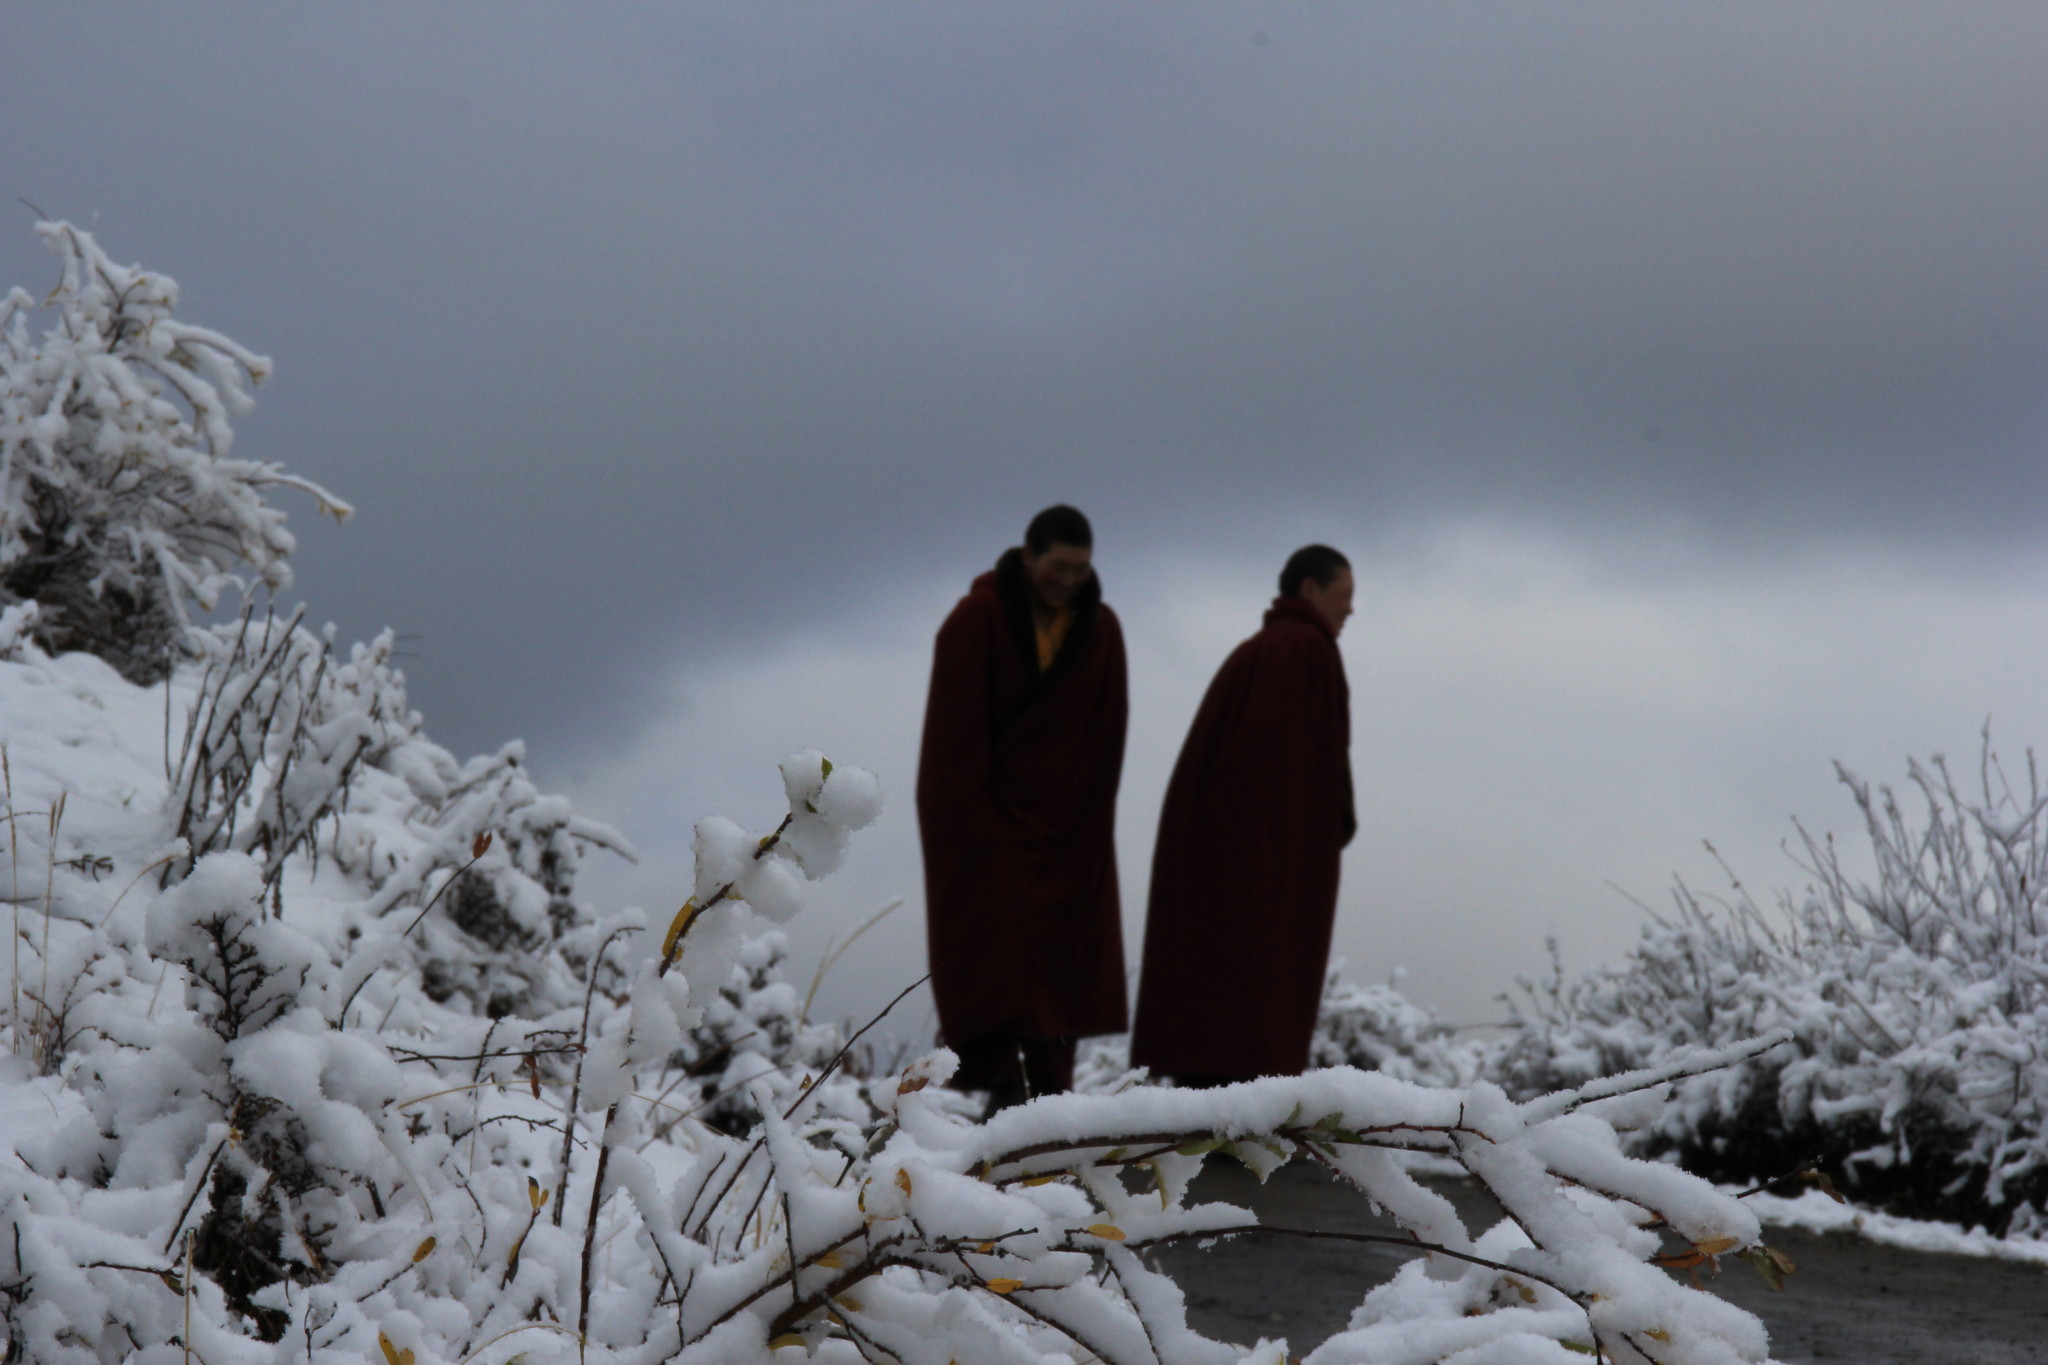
<point x="1244" y="875"/>
<point x="1016" y="802"/>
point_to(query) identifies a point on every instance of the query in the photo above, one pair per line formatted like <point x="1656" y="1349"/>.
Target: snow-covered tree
<point x="121" y="507"/>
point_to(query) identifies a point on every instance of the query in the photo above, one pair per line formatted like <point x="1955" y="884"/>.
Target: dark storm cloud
<point x="643" y="331"/>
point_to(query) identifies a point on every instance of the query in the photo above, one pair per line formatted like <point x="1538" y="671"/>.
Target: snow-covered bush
<point x="120" y="506"/>
<point x="1919" y="1005"/>
<point x="243" y="1083"/>
<point x="1376" y="1028"/>
<point x="262" y="1136"/>
<point x="753" y="1032"/>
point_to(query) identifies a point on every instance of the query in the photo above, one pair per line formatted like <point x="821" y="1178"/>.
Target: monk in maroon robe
<point x="1244" y="875"/>
<point x="1016" y="802"/>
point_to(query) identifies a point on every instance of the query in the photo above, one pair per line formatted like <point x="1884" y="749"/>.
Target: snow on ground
<point x="1813" y="1211"/>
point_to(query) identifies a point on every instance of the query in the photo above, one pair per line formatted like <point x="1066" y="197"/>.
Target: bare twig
<point x="834" y="951"/>
<point x="604" y="1157"/>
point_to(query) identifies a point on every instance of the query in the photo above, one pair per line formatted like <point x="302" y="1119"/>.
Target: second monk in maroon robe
<point x="1244" y="874"/>
<point x="1016" y="801"/>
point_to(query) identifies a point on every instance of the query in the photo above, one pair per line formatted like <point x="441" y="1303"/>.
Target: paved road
<point x="1849" y="1300"/>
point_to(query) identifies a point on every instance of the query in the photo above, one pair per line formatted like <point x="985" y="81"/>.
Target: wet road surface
<point x="1850" y="1300"/>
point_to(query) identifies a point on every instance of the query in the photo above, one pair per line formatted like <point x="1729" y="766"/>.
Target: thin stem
<point x="604" y="1157"/>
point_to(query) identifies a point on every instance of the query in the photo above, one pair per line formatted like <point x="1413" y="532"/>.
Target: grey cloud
<point x="639" y="332"/>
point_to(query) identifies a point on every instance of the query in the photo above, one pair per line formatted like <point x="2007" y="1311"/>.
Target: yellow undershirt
<point x="1051" y="637"/>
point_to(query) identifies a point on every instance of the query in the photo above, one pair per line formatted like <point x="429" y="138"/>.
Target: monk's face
<point x="1333" y="603"/>
<point x="1058" y="574"/>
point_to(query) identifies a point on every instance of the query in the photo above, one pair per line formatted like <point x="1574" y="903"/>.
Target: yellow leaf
<point x="1715" y="1246"/>
<point x="1656" y="1334"/>
<point x="848" y="1302"/>
<point x="986" y="1247"/>
<point x="535" y="1195"/>
<point x="1002" y="1286"/>
<point x="1679" y="1260"/>
<point x="903" y="1181"/>
<point x="786" y="1339"/>
<point x="513" y="1259"/>
<point x="1043" y="1179"/>
<point x="1527" y="1294"/>
<point x="831" y="1260"/>
<point x="424" y="1250"/>
<point x="1108" y="1232"/>
<point x="392" y="1353"/>
<point x="676" y="927"/>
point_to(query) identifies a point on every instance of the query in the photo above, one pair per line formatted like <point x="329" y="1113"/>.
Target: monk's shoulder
<point x="1289" y="648"/>
<point x="1107" y="624"/>
<point x="975" y="612"/>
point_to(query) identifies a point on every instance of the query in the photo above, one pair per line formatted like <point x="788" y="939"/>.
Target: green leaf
<point x="1333" y="1125"/>
<point x="824" y="768"/>
<point x="1773" y="1265"/>
<point x="1199" y="1146"/>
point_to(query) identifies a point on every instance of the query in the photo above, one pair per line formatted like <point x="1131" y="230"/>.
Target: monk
<point x="1016" y="802"/>
<point x="1244" y="874"/>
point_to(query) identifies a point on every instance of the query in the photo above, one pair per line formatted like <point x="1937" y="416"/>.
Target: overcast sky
<point x="1677" y="377"/>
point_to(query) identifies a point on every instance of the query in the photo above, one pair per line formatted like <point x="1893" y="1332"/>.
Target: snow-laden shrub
<point x="251" y="1082"/>
<point x="1918" y="1001"/>
<point x="1376" y="1028"/>
<point x="753" y="1033"/>
<point x="265" y="1140"/>
<point x="294" y="756"/>
<point x="120" y="505"/>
